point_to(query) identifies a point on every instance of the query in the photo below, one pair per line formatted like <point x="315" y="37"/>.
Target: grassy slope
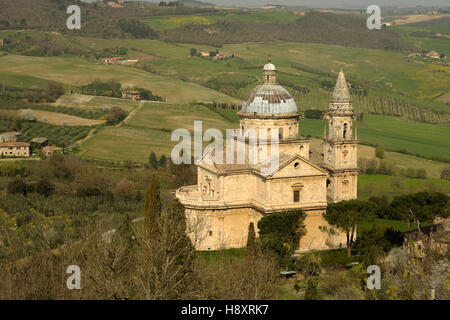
<point x="76" y="71"/>
<point x="420" y="138"/>
<point x="416" y="78"/>
<point x="383" y="185"/>
<point x="64" y="119"/>
<point x="260" y="16"/>
<point x="426" y="43"/>
<point x="149" y="130"/>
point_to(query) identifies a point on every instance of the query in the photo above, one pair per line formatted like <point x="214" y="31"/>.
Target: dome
<point x="269" y="99"/>
<point x="269" y="67"/>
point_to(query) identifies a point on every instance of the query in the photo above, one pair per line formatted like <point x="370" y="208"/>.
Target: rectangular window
<point x="296" y="195"/>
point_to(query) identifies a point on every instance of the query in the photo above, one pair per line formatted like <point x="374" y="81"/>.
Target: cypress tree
<point x="152" y="209"/>
<point x="162" y="161"/>
<point x="153" y="162"/>
<point x="251" y="241"/>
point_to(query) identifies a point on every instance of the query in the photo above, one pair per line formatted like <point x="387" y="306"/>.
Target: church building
<point x="229" y="196"/>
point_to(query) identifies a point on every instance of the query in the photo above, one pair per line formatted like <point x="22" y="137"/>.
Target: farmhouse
<point x="436" y="236"/>
<point x="48" y="150"/>
<point x="433" y="54"/>
<point x="228" y="197"/>
<point x="39" y="142"/>
<point x="11" y="136"/>
<point x="111" y="60"/>
<point x="131" y="94"/>
<point x="15" y="149"/>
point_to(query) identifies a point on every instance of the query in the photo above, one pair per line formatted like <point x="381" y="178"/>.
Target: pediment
<point x="298" y="166"/>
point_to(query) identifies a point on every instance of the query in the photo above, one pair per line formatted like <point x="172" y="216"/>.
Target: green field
<point x="441" y="45"/>
<point x="258" y="16"/>
<point x="149" y="130"/>
<point x="76" y="71"/>
<point x="419" y="138"/>
<point x="388" y="185"/>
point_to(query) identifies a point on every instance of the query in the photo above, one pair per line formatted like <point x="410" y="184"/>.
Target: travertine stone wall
<point x="214" y="230"/>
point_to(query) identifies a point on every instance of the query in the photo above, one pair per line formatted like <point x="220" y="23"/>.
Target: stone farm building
<point x="15" y="149"/>
<point x="131" y="94"/>
<point x="228" y="197"/>
<point x="48" y="150"/>
<point x="11" y="136"/>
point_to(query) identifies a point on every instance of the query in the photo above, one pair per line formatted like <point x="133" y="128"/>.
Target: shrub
<point x="379" y="152"/>
<point x="17" y="185"/>
<point x="336" y="258"/>
<point x="308" y="264"/>
<point x="312" y="290"/>
<point x="23" y="218"/>
<point x="313" y="114"/>
<point x="445" y="173"/>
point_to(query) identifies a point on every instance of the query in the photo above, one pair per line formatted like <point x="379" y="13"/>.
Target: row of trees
<point x="371" y="104"/>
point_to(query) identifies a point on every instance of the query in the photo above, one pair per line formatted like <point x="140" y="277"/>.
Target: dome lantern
<point x="269" y="72"/>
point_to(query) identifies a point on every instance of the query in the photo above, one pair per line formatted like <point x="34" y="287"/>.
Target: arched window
<point x="345" y="130"/>
<point x="280" y="133"/>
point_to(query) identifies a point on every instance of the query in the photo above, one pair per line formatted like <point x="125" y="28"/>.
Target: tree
<point x="369" y="188"/>
<point x="312" y="291"/>
<point x="45" y="187"/>
<point x="17" y="185"/>
<point x="152" y="209"/>
<point x="280" y="232"/>
<point x="379" y="152"/>
<point x="445" y="173"/>
<point x="193" y="52"/>
<point x="421" y="207"/>
<point x="347" y="215"/>
<point x="371" y="244"/>
<point x="162" y="161"/>
<point x="29" y="115"/>
<point x="382" y="209"/>
<point x="153" y="162"/>
<point x="167" y="269"/>
<point x="251" y="241"/>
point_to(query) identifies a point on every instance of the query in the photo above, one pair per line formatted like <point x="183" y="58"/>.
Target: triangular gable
<point x="298" y="166"/>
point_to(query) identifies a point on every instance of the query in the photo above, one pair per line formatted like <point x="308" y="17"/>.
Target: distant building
<point x="15" y="149"/>
<point x="133" y="60"/>
<point x="131" y="94"/>
<point x="114" y="4"/>
<point x="2" y="43"/>
<point x="39" y="142"/>
<point x="204" y="54"/>
<point x="11" y="136"/>
<point x="111" y="60"/>
<point x="223" y="56"/>
<point x="48" y="150"/>
<point x="433" y="54"/>
<point x="436" y="236"/>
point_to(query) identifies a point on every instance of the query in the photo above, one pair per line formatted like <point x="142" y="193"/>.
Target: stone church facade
<point x="228" y="197"/>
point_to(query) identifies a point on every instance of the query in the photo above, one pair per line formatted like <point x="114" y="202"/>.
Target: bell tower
<point x="340" y="145"/>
